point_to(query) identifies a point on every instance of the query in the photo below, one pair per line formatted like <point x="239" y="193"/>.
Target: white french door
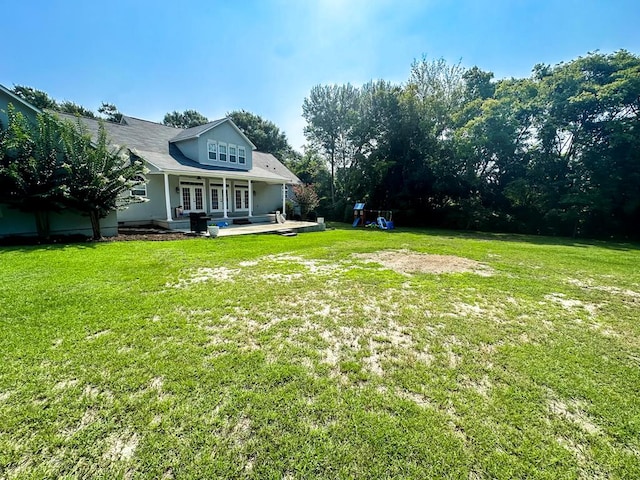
<point x="241" y="198"/>
<point x="192" y="194"/>
<point x="217" y="204"/>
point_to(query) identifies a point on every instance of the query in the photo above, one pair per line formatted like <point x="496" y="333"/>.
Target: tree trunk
<point x="333" y="181"/>
<point x="95" y="224"/>
<point x="42" y="224"/>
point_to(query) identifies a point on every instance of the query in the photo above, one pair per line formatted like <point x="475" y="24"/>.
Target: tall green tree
<point x="110" y="112"/>
<point x="265" y="135"/>
<point x="330" y="112"/>
<point x="439" y="91"/>
<point x="35" y="97"/>
<point x="43" y="101"/>
<point x="54" y="165"/>
<point x="186" y="119"/>
<point x="97" y="174"/>
<point x="31" y="174"/>
<point x="554" y="153"/>
<point x="73" y="108"/>
<point x="311" y="168"/>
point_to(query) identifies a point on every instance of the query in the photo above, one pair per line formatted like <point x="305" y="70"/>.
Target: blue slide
<point x="356" y="222"/>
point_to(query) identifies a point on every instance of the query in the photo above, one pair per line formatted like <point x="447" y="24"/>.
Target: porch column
<point x="224" y="197"/>
<point x="250" y="200"/>
<point x="167" y="200"/>
<point x="284" y="199"/>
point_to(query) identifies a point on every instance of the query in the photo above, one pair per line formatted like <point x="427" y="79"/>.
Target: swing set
<point x="382" y="219"/>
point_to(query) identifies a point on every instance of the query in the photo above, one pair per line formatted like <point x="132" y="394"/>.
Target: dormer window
<point x="222" y="150"/>
<point x="242" y="156"/>
<point x="212" y="147"/>
<point x="232" y="154"/>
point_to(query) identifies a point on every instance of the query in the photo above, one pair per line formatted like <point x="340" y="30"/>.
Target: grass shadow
<point x="29" y="244"/>
<point x="507" y="237"/>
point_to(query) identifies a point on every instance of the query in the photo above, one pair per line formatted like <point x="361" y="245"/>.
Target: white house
<point x="213" y="168"/>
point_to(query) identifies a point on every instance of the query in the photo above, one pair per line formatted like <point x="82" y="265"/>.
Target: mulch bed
<point x="125" y="234"/>
<point x="153" y="234"/>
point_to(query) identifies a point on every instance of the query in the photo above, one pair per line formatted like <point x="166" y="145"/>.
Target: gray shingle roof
<point x="269" y="163"/>
<point x="132" y="133"/>
<point x="194" y="132"/>
<point x="152" y="142"/>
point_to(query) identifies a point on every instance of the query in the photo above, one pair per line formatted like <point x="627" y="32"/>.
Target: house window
<point x="215" y="199"/>
<point x="140" y="188"/>
<point x="232" y="154"/>
<point x="186" y="198"/>
<point x="222" y="150"/>
<point x="199" y="203"/>
<point x="242" y="159"/>
<point x="212" y="147"/>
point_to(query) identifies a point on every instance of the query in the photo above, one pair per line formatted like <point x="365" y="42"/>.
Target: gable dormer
<point x="8" y="97"/>
<point x="218" y="144"/>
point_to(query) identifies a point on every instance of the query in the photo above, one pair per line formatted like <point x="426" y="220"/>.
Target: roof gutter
<point x="226" y="174"/>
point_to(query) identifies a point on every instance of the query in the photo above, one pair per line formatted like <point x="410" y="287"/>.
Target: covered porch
<point x="222" y="198"/>
<point x="183" y="222"/>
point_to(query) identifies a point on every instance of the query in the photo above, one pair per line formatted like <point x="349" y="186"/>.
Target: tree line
<point x="556" y="153"/>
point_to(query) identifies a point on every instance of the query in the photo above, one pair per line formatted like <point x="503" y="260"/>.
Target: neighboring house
<point x="13" y="222"/>
<point x="213" y="168"/>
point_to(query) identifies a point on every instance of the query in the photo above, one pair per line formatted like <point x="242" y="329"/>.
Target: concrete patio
<point x="289" y="225"/>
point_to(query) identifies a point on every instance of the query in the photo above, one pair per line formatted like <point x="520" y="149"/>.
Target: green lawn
<point x="272" y="357"/>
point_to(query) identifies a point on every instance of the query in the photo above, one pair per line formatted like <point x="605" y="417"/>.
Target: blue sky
<point x="152" y="57"/>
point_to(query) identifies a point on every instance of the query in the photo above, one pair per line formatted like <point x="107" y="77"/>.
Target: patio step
<point x="287" y="233"/>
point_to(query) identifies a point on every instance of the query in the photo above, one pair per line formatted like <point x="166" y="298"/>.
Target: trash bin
<point x="198" y="221"/>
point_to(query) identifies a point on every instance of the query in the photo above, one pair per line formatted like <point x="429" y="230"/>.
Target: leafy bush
<point x="306" y="197"/>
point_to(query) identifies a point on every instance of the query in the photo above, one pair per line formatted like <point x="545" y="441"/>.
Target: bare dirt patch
<point x="87" y="419"/>
<point x="65" y="384"/>
<point x="97" y="334"/>
<point x="571" y="304"/>
<point x="573" y="412"/>
<point x="406" y="262"/>
<point x="205" y="274"/>
<point x="122" y="447"/>
<point x="589" y="284"/>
